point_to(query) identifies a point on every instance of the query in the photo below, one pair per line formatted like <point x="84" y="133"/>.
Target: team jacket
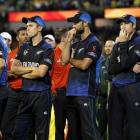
<point x="124" y="56"/>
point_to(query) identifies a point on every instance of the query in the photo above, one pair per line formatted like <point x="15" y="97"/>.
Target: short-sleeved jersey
<point x="34" y="56"/>
<point x="3" y="55"/>
<point x="82" y="82"/>
<point x="14" y="83"/>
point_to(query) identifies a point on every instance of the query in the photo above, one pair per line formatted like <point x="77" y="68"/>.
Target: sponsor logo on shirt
<point x="25" y="52"/>
<point x="92" y="54"/>
<point x="39" y="52"/>
<point x="30" y="64"/>
<point x="131" y="47"/>
<point x="48" y="60"/>
<point x="137" y="52"/>
<point x="80" y="50"/>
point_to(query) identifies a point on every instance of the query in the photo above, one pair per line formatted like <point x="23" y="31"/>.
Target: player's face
<point x="128" y="27"/>
<point x="79" y="27"/>
<point x="22" y="36"/>
<point x="108" y="47"/>
<point x="32" y="29"/>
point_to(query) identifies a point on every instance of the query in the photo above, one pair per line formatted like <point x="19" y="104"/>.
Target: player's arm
<point x="18" y="69"/>
<point x="44" y="67"/>
<point x="65" y="56"/>
<point x="91" y="55"/>
<point x="39" y="72"/>
<point x="81" y="64"/>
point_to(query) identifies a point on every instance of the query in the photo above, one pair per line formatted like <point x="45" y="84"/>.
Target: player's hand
<point x="136" y="68"/>
<point x="123" y="36"/>
<point x="70" y="35"/>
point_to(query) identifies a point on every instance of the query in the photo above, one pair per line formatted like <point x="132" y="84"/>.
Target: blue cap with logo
<point x="127" y="18"/>
<point x="82" y="16"/>
<point x="36" y="19"/>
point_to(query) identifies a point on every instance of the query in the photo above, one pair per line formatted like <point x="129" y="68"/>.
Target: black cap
<point x="127" y="18"/>
<point x="82" y="16"/>
<point x="36" y="19"/>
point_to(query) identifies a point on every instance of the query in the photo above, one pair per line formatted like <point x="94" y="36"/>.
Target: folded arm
<point x="18" y="69"/>
<point x="39" y="72"/>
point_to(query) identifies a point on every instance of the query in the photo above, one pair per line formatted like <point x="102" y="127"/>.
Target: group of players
<point x="89" y="86"/>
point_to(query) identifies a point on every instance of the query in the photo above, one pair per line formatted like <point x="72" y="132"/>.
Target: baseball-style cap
<point x="127" y="18"/>
<point x="36" y="19"/>
<point x="49" y="36"/>
<point x="82" y="16"/>
<point x="6" y="35"/>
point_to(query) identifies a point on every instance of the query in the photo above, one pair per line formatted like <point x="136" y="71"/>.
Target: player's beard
<point x="80" y="31"/>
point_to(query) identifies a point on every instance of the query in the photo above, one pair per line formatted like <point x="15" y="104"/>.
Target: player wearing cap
<point x="124" y="100"/>
<point x="8" y="39"/>
<point x="50" y="39"/>
<point x="33" y="63"/>
<point x="82" y="55"/>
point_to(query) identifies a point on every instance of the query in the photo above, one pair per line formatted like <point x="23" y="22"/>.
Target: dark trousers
<point x="60" y="107"/>
<point x="124" y="113"/>
<point x="34" y="110"/>
<point x="3" y="101"/>
<point x="101" y="114"/>
<point x="10" y="114"/>
<point x="81" y="118"/>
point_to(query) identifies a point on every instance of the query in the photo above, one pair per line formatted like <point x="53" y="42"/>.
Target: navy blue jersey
<point x="34" y="56"/>
<point x="82" y="82"/>
<point x="124" y="56"/>
<point x="4" y="55"/>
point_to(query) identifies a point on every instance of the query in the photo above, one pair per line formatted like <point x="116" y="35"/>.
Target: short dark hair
<point x="20" y="29"/>
<point x="59" y="33"/>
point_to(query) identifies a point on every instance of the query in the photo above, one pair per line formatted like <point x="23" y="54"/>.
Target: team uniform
<point x="81" y="91"/>
<point x="59" y="83"/>
<point x="103" y="88"/>
<point x="35" y="104"/>
<point x="3" y="77"/>
<point x="124" y="100"/>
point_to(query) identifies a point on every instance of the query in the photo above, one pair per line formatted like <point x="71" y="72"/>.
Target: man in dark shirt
<point x="33" y="63"/>
<point x="82" y="55"/>
<point x="124" y="100"/>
